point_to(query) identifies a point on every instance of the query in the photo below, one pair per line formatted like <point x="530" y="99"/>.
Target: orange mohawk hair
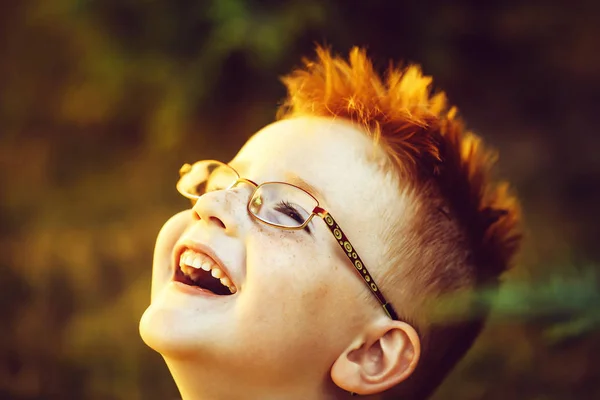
<point x="422" y="136"/>
<point x="462" y="230"/>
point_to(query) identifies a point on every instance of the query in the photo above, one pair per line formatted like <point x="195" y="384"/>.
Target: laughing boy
<point x="310" y="265"/>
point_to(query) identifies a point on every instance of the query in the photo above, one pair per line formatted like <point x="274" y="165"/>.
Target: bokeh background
<point x="101" y="101"/>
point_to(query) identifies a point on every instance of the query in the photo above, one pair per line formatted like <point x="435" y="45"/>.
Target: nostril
<point x="195" y="215"/>
<point x="211" y="210"/>
<point x="217" y="221"/>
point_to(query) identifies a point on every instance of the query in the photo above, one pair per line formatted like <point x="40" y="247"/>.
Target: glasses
<point x="278" y="204"/>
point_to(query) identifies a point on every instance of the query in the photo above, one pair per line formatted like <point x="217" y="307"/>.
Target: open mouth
<point x="199" y="270"/>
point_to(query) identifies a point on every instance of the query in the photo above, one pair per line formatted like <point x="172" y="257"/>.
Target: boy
<point x="309" y="266"/>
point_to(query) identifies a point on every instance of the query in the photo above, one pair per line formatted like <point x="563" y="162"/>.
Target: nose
<point x="223" y="209"/>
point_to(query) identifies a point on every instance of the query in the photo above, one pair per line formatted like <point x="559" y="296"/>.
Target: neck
<point x="197" y="383"/>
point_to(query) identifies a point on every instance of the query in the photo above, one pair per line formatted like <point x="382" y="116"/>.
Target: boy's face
<point x="299" y="302"/>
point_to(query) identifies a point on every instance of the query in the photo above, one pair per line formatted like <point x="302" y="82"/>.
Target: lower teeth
<point x="194" y="278"/>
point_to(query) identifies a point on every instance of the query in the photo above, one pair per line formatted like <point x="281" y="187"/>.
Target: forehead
<point x="333" y="156"/>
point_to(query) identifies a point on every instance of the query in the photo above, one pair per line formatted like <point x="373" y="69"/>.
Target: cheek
<point x="163" y="251"/>
<point x="289" y="283"/>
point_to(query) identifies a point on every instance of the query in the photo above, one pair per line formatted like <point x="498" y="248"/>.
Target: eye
<point x="199" y="189"/>
<point x="220" y="179"/>
<point x="290" y="211"/>
<point x="207" y="186"/>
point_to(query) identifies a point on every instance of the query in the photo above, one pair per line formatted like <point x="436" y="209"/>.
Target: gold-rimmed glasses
<point x="278" y="204"/>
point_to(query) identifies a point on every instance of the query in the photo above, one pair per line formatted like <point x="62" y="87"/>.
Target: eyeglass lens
<point x="277" y="203"/>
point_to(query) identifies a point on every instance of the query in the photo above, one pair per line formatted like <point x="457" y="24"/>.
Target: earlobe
<point x="381" y="359"/>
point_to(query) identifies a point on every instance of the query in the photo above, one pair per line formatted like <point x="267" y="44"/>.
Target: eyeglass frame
<point x="330" y="222"/>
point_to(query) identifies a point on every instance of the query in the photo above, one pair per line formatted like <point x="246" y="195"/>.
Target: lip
<point x="200" y="248"/>
<point x="193" y="290"/>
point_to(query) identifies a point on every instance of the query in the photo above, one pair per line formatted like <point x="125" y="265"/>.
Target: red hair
<point x="464" y="225"/>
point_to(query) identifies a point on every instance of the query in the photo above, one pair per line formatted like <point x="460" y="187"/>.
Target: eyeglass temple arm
<point x="356" y="261"/>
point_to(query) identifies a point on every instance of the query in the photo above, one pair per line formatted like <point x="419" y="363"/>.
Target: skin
<point x="302" y="323"/>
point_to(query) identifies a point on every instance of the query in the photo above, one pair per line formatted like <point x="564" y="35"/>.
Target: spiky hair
<point x="422" y="135"/>
<point x="465" y="222"/>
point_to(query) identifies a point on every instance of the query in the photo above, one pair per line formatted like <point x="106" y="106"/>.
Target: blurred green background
<point x="101" y="101"/>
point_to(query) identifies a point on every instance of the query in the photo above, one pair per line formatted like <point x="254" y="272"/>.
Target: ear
<point x="383" y="357"/>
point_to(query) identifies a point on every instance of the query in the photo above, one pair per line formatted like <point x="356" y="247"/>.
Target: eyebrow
<point x="290" y="177"/>
<point x="301" y="183"/>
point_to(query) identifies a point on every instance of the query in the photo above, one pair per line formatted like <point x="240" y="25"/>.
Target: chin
<point x="153" y="329"/>
<point x="165" y="331"/>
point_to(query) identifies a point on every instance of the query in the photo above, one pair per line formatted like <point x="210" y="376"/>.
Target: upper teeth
<point x="191" y="259"/>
